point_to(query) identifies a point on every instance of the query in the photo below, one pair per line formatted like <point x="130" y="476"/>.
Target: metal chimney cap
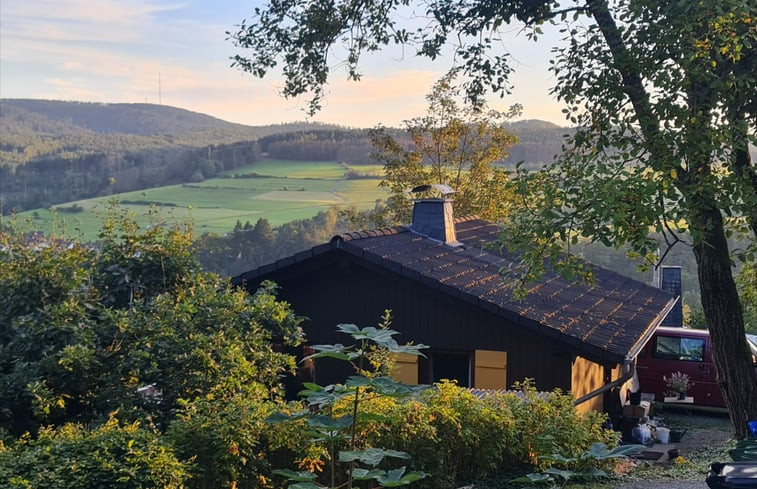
<point x="443" y="189"/>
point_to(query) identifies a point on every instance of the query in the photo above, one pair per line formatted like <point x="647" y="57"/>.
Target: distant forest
<point x="54" y="152"/>
<point x="252" y="245"/>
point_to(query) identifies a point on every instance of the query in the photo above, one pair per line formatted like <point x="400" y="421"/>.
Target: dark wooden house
<point x="445" y="289"/>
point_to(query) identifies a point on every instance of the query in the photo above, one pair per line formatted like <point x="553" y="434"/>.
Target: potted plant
<point x="677" y="426"/>
<point x="678" y="383"/>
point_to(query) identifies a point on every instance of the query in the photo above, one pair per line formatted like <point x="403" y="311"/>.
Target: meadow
<point x="280" y="191"/>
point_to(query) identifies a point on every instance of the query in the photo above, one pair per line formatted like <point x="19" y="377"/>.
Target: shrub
<point x="548" y="423"/>
<point x="334" y="414"/>
<point x="229" y="443"/>
<point x="448" y="432"/>
<point x="73" y="457"/>
<point x="456" y="437"/>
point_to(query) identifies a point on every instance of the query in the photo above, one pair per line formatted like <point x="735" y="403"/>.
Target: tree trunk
<point x="723" y="312"/>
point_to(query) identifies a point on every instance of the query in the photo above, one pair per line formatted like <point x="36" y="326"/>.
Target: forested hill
<point x="34" y="129"/>
<point x="53" y="152"/>
<point x="141" y="119"/>
<point x="539" y="142"/>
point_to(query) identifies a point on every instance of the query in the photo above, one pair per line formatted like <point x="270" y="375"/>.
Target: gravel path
<point x="704" y="431"/>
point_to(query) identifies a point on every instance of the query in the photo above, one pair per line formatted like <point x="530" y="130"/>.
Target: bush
<point x="72" y="209"/>
<point x="448" y="432"/>
<point x="229" y="443"/>
<point x="72" y="457"/>
<point x="456" y="437"/>
<point x="548" y="423"/>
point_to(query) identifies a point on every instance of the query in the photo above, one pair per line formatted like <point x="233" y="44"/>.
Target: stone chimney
<point x="433" y="217"/>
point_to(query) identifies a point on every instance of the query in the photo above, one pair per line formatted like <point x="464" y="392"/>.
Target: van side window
<point x="676" y="348"/>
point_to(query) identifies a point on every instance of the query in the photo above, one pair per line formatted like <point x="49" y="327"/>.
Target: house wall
<point x="331" y="291"/>
<point x="587" y="376"/>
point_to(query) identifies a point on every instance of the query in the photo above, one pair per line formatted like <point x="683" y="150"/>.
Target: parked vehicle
<point x="684" y="350"/>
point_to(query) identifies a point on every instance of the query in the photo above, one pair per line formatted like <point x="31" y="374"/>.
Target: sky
<point x="176" y="53"/>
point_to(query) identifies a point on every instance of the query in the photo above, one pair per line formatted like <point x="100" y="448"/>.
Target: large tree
<point x="664" y="96"/>
<point x="454" y="144"/>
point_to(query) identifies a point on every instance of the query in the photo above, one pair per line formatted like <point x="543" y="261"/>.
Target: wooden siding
<point x="586" y="377"/>
<point x="337" y="291"/>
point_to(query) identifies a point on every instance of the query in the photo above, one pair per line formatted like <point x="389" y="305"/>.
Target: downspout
<point x="629" y="364"/>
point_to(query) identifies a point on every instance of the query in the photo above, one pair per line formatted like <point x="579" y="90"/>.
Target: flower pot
<point x="676" y="435"/>
<point x="681" y="396"/>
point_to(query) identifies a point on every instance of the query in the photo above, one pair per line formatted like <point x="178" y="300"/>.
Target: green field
<point x="290" y="190"/>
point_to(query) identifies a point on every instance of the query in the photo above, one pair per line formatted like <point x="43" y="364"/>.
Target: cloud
<point x="83" y="16"/>
<point x="116" y="50"/>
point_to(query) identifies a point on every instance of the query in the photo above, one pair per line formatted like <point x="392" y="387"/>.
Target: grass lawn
<point x="291" y="190"/>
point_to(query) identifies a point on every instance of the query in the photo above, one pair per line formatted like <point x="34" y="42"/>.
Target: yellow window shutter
<point x="491" y="369"/>
<point x="405" y="368"/>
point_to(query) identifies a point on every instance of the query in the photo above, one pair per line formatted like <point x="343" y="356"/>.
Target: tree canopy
<point x="130" y="324"/>
<point x="662" y="93"/>
<point x="453" y="144"/>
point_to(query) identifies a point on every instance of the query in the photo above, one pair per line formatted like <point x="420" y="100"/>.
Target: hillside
<point x="53" y="152"/>
<point x="37" y="129"/>
<point x="139" y="119"/>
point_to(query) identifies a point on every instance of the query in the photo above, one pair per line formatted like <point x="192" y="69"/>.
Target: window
<point x="677" y="348"/>
<point x="451" y="366"/>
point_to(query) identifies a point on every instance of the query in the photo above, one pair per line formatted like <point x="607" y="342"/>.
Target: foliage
<point x="226" y="442"/>
<point x="662" y="94"/>
<point x="135" y="265"/>
<point x="130" y="324"/>
<point x="452" y="145"/>
<point x="549" y="423"/>
<point x="114" y="455"/>
<point x="449" y="433"/>
<point x="333" y="413"/>
<point x="747" y="283"/>
<point x="250" y="246"/>
<point x="585" y="466"/>
<point x="456" y="437"/>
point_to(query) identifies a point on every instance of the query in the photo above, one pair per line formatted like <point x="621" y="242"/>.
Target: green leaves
<point x="301" y="476"/>
<point x="397" y="478"/>
<point x="370" y="456"/>
<point x="455" y="143"/>
<point x="126" y="456"/>
<point x="597" y="451"/>
<point x="391" y="478"/>
<point x="334" y="411"/>
<point x="581" y="466"/>
<point x="381" y="338"/>
<point x="83" y="329"/>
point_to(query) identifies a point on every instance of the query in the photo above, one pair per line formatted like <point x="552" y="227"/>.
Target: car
<point x="685" y="350"/>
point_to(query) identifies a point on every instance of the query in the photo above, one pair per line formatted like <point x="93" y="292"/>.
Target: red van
<point x="682" y="350"/>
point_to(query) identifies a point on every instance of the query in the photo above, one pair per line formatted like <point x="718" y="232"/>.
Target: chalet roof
<point x="609" y="320"/>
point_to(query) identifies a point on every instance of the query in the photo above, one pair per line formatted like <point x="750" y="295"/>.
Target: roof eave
<point x="639" y="345"/>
